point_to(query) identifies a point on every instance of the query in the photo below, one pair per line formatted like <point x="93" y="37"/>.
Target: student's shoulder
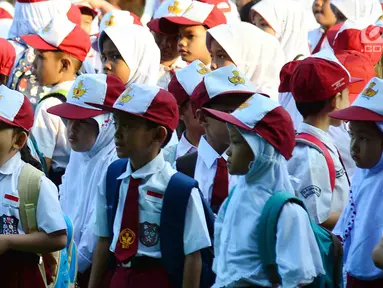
<point x="305" y="154"/>
<point x="47" y="103"/>
<point x="292" y="212"/>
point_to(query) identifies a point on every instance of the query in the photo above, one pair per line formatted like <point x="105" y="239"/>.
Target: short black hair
<point x="312" y="108"/>
<point x="153" y="125"/>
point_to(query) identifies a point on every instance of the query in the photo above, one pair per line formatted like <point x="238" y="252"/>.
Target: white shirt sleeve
<point x="100" y="227"/>
<point x="298" y="257"/>
<point x="311" y="181"/>
<point x="47" y="127"/>
<point x="49" y="215"/>
<point x="196" y="234"/>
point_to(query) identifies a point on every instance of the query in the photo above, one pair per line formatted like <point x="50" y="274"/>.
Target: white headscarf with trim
<point x="356" y="9"/>
<point x="256" y="54"/>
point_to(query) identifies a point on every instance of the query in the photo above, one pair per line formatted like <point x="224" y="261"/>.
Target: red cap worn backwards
<point x="148" y="102"/>
<point x="61" y="35"/>
<point x="95" y="88"/>
<point x="319" y="77"/>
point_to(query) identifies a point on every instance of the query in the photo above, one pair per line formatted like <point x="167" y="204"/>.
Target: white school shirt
<point x="311" y="180"/>
<point x="156" y="175"/>
<point x="165" y="75"/>
<point x="314" y="38"/>
<point x="206" y="168"/>
<point x="50" y="131"/>
<point x="183" y="147"/>
<point x="48" y="213"/>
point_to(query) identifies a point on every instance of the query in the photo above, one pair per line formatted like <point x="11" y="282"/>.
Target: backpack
<point x="172" y="222"/>
<point x="329" y="245"/>
<point x="187" y="163"/>
<point x="63" y="264"/>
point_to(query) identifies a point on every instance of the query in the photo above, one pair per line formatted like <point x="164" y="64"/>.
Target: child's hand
<point x="4" y="244"/>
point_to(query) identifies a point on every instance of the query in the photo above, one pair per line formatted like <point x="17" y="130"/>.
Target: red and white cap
<point x="6" y="10"/>
<point x="7" y="57"/>
<point x="285" y="76"/>
<point x="146" y="101"/>
<point x="319" y="77"/>
<point x="61" y="35"/>
<point x="15" y="109"/>
<point x="185" y="80"/>
<point x="119" y="17"/>
<point x="95" y="88"/>
<point x="360" y="66"/>
<point x="86" y="8"/>
<point x="225" y="80"/>
<point x="367" y="107"/>
<point x="265" y="117"/>
<point x="167" y="8"/>
<point x="190" y="13"/>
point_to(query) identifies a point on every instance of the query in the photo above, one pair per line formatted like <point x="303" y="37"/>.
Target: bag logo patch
<point x="311" y="190"/>
<point x="126" y="238"/>
<point x="9" y="225"/>
<point x="149" y="234"/>
<point x="236" y="79"/>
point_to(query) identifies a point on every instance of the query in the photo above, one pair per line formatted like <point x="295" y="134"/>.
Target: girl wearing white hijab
<point x="261" y="139"/>
<point x="256" y="54"/>
<point x="286" y="20"/>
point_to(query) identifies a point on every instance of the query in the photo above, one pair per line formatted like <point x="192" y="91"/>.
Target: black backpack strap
<point x="186" y="164"/>
<point x="59" y="96"/>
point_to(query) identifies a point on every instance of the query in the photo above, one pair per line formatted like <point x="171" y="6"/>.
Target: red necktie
<point x="220" y="185"/>
<point x="127" y="244"/>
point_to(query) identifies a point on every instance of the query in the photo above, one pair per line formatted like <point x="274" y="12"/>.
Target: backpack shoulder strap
<point x="315" y="143"/>
<point x="112" y="190"/>
<point x="268" y="224"/>
<point x="172" y="225"/>
<point x="29" y="190"/>
<point x="187" y="163"/>
<point x="59" y="94"/>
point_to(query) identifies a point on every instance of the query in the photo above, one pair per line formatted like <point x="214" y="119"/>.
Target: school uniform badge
<point x="9" y="225"/>
<point x="126" y="238"/>
<point x="311" y="190"/>
<point x="149" y="234"/>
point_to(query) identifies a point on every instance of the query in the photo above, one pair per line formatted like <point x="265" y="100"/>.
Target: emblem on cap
<point x="48" y="27"/>
<point x="126" y="238"/>
<point x="78" y="92"/>
<point x="125" y="97"/>
<point x="110" y="22"/>
<point x="174" y="9"/>
<point x="236" y="79"/>
<point x="245" y="104"/>
<point x="369" y="92"/>
<point x="203" y="69"/>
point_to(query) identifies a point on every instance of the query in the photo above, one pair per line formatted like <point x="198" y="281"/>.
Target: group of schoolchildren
<point x="194" y="150"/>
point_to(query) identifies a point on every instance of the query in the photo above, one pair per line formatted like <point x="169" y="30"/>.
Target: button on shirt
<point x="156" y="176"/>
<point x="206" y="168"/>
<point x="48" y="213"/>
<point x="311" y="180"/>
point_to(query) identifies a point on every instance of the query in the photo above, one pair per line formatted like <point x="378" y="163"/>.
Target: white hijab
<point x="83" y="175"/>
<point x="139" y="51"/>
<point x="288" y="20"/>
<point x="238" y="257"/>
<point x="356" y="9"/>
<point x="256" y="54"/>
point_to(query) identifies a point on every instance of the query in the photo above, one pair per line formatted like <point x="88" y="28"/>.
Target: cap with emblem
<point x="95" y="88"/>
<point x="319" y="77"/>
<point x="61" y="35"/>
<point x="185" y="80"/>
<point x="146" y="101"/>
<point x="225" y="80"/>
<point x="190" y="13"/>
<point x="164" y="10"/>
<point x="368" y="106"/>
<point x="15" y="109"/>
<point x="264" y="117"/>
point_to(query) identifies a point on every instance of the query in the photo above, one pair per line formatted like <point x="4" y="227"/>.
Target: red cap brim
<point x="356" y="113"/>
<point x="226" y="117"/>
<point x="354" y="80"/>
<point x="6" y="121"/>
<point x="73" y="112"/>
<point x="36" y="42"/>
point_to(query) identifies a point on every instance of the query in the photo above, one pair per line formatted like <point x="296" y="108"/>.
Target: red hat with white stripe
<point x="95" y="88"/>
<point x="190" y="13"/>
<point x="319" y="77"/>
<point x="146" y="101"/>
<point x="61" y="35"/>
<point x="7" y="57"/>
<point x="265" y="117"/>
<point x="185" y="80"/>
<point x="367" y="107"/>
<point x="15" y="109"/>
<point x="225" y="80"/>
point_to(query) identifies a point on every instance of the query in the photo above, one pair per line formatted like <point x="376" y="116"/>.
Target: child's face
<point x="342" y="101"/>
<point x="11" y="141"/>
<point x="239" y="152"/>
<point x="47" y="67"/>
<point x="167" y="45"/>
<point x="113" y="62"/>
<point x="82" y="134"/>
<point x="323" y="13"/>
<point x="86" y="23"/>
<point x="187" y="116"/>
<point x="366" y="143"/>
<point x="262" y="24"/>
<point x="219" y="57"/>
<point x="192" y="44"/>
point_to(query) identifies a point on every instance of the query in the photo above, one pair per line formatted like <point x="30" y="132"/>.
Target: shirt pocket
<point x="10" y="216"/>
<point x="153" y="201"/>
<point x="11" y="201"/>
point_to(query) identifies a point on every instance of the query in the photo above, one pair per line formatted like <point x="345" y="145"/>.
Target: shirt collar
<point x="149" y="169"/>
<point x="319" y="133"/>
<point x="11" y="165"/>
<point x="184" y="146"/>
<point x="207" y="153"/>
<point x="62" y="86"/>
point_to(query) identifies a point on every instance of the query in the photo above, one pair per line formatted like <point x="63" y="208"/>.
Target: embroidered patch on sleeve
<point x="9" y="225"/>
<point x="311" y="190"/>
<point x="340" y="173"/>
<point x="149" y="234"/>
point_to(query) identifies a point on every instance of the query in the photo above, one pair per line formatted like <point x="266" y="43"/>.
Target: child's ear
<point x="201" y="117"/>
<point x="336" y="101"/>
<point x="160" y="134"/>
<point x="66" y="63"/>
<point x="20" y="141"/>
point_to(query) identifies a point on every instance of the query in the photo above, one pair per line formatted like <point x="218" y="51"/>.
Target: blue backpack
<point x="329" y="245"/>
<point x="172" y="222"/>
